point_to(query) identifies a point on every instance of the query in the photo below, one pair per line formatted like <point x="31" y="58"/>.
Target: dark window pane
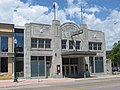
<point x="34" y="43"/>
<point x="99" y="58"/>
<point x="18" y="30"/>
<point x="77" y="44"/>
<point x="90" y="45"/>
<point x="99" y="46"/>
<point x="4" y="64"/>
<point x="34" y="58"/>
<point x="4" y="43"/>
<point x="48" y="58"/>
<point x="41" y="58"/>
<point x="65" y="61"/>
<point x="41" y="43"/>
<point x="19" y="55"/>
<point x="64" y="44"/>
<point x="95" y="46"/>
<point x="73" y="61"/>
<point x="71" y="44"/>
<point x="47" y="43"/>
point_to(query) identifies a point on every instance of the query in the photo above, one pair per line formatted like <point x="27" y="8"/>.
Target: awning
<point x="79" y="53"/>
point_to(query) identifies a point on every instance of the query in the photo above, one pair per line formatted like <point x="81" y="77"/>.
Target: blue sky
<point x="102" y="15"/>
<point x="108" y="4"/>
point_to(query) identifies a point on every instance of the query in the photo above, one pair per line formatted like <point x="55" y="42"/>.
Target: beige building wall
<point x="7" y="30"/>
<point x="10" y="50"/>
<point x="10" y="60"/>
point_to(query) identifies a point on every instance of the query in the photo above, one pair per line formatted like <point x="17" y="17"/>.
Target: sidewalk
<point x="23" y="82"/>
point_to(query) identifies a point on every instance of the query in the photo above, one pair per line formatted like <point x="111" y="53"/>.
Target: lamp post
<point x="15" y="75"/>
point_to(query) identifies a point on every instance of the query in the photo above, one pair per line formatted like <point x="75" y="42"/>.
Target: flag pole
<point x="54" y="7"/>
<point x="81" y="16"/>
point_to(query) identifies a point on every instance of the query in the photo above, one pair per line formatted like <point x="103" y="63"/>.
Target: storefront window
<point x="4" y="64"/>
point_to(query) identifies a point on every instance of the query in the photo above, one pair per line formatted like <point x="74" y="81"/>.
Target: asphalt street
<point x="101" y="84"/>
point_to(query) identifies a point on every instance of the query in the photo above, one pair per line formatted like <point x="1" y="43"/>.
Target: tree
<point x="115" y="53"/>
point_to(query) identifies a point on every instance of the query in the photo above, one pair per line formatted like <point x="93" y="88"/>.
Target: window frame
<point x="95" y="45"/>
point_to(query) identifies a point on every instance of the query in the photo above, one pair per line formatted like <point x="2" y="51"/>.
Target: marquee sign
<point x="76" y="33"/>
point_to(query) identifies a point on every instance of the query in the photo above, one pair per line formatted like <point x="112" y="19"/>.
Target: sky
<point x="101" y="15"/>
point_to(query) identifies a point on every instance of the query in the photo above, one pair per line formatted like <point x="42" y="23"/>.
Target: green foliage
<point x="115" y="53"/>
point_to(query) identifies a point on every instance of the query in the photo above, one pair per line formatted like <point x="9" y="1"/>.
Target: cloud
<point x="20" y="13"/>
<point x="93" y="9"/>
<point x="110" y="26"/>
<point x="91" y="20"/>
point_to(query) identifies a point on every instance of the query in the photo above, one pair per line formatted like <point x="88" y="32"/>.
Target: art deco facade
<point x="63" y="50"/>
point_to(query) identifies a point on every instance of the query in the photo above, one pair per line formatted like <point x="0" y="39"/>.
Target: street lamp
<point x="15" y="75"/>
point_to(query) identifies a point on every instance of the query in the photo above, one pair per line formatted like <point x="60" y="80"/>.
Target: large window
<point x="96" y="64"/>
<point x="37" y="66"/>
<point x="40" y="43"/>
<point x="77" y="44"/>
<point x="19" y="35"/>
<point x="95" y="46"/>
<point x="99" y="64"/>
<point x="4" y="43"/>
<point x="71" y="43"/>
<point x="64" y="44"/>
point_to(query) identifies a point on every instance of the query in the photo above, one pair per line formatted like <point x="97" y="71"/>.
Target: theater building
<point x="63" y="50"/>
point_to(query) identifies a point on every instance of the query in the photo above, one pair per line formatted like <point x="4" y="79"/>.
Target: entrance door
<point x="70" y="67"/>
<point x="70" y="70"/>
<point x="67" y="70"/>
